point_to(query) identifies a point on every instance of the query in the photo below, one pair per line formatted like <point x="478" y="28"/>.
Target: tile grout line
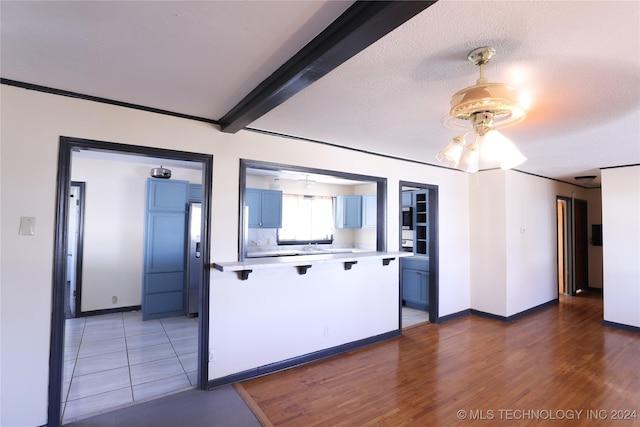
<point x="75" y="363"/>
<point x="126" y="352"/>
<point x="175" y="352"/>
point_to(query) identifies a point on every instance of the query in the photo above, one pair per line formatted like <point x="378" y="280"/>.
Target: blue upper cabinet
<point x="407" y="199"/>
<point x="349" y="212"/>
<point x="195" y="192"/>
<point x="265" y="208"/>
<point x="369" y="211"/>
<point x="166" y="195"/>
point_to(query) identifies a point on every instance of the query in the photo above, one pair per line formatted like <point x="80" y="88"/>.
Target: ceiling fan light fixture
<point x="306" y="181"/>
<point x="585" y="179"/>
<point x="511" y="156"/>
<point x="487" y="106"/>
<point x="452" y="153"/>
<point x="470" y="161"/>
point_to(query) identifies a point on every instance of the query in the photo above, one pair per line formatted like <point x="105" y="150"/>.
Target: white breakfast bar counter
<point x="303" y="262"/>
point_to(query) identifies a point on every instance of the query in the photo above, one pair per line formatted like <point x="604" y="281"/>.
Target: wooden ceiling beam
<point x="361" y="25"/>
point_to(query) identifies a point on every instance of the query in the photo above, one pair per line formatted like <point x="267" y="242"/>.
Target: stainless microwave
<point x="407" y="218"/>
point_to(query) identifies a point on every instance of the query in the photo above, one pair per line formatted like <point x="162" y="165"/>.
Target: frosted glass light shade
<point x="452" y="152"/>
<point x="470" y="161"/>
<point x="511" y="156"/>
<point x="493" y="144"/>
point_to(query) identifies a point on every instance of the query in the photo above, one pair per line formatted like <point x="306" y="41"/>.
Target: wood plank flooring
<point x="558" y="366"/>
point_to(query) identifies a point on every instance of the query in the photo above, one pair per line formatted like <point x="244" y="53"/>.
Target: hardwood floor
<point x="558" y="366"/>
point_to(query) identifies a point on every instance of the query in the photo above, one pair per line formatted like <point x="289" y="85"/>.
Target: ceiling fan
<point x="486" y="106"/>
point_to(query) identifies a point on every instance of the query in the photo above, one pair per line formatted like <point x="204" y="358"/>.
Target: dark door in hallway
<point x="581" y="263"/>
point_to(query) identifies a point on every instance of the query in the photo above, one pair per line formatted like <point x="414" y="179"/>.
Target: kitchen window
<point x="306" y="219"/>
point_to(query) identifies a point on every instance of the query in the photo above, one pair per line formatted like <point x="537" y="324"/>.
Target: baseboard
<point x="486" y="315"/>
<point x="110" y="310"/>
<point x="590" y="288"/>
<point x="301" y="360"/>
<point x="621" y="326"/>
<point x="516" y="316"/>
<point x="454" y="316"/>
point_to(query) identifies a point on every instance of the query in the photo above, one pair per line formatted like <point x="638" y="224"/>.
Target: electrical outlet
<point x="114" y="299"/>
<point x="212" y="355"/>
<point x="326" y="330"/>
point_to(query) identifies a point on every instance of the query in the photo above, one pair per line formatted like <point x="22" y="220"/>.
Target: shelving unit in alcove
<point x="421" y="225"/>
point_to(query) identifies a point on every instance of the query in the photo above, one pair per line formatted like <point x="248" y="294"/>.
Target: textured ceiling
<point x="580" y="61"/>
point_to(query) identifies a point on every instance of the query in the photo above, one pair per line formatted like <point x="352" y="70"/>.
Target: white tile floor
<point x="412" y="316"/>
<point x="117" y="359"/>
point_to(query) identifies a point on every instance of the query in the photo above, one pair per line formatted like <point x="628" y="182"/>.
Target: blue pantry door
<point x="164" y="270"/>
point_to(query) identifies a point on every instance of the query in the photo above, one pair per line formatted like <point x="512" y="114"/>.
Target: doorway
<point x="419" y="235"/>
<point x="61" y="296"/>
<point x="572" y="245"/>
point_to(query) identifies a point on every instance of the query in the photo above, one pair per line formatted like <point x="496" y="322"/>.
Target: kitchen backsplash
<point x="266" y="239"/>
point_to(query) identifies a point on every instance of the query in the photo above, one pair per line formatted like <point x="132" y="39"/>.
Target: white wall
<point x="114" y="228"/>
<point x="32" y="123"/>
<point x="621" y="244"/>
<point x="488" y="216"/>
<point x="326" y="307"/>
<point x="513" y="239"/>
<point x="530" y="229"/>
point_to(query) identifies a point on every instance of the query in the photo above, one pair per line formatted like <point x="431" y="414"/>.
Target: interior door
<point x="581" y="241"/>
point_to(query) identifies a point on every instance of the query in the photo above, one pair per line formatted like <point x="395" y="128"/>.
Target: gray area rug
<point x="220" y="407"/>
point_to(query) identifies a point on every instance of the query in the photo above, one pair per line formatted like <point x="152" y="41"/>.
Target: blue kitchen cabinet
<point x="195" y="193"/>
<point x="166" y="195"/>
<point x="421" y="222"/>
<point x="164" y="255"/>
<point x="349" y="212"/>
<point x="265" y="208"/>
<point x="369" y="211"/>
<point x="407" y="199"/>
<point x="415" y="282"/>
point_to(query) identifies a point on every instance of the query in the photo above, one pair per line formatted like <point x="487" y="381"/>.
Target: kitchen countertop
<point x="303" y="262"/>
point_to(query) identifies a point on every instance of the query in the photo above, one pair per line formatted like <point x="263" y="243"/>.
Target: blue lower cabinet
<point x="415" y="283"/>
<point x="162" y="305"/>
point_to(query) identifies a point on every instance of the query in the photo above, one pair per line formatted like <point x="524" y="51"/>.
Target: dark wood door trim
<point x="56" y="354"/>
<point x="434" y="282"/>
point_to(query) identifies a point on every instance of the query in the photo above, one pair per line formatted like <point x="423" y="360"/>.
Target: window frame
<point x="381" y="197"/>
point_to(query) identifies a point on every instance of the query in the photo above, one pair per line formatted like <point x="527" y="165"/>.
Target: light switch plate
<point x="27" y="226"/>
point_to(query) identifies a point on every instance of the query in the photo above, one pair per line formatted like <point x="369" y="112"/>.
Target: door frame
<point x="434" y="282"/>
<point x="56" y="354"/>
<point x="571" y="263"/>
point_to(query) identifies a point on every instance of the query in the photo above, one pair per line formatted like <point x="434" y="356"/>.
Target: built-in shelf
<point x="303" y="262"/>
